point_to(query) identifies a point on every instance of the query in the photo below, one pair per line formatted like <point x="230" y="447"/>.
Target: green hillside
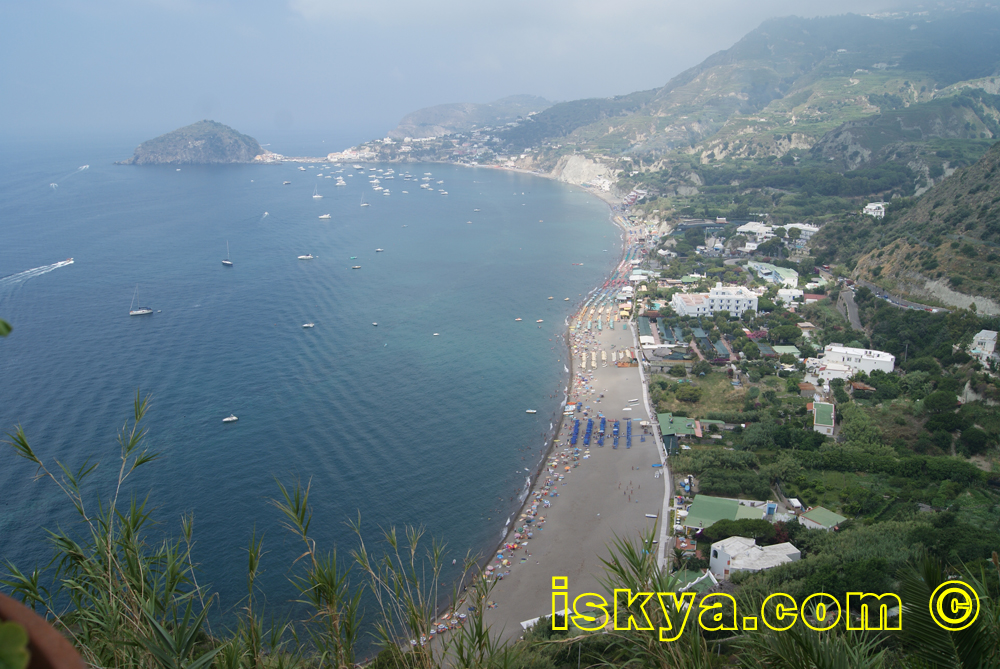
<point x="945" y="241"/>
<point x="201" y="143"/>
<point x="852" y="87"/>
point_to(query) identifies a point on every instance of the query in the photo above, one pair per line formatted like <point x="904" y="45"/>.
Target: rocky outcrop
<point x="201" y="143"/>
<point x="578" y="170"/>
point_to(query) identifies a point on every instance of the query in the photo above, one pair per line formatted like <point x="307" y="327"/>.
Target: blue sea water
<point x="389" y="423"/>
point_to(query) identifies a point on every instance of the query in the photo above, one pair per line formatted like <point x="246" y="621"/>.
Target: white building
<point x="826" y="372"/>
<point x="821" y="518"/>
<point x="984" y="345"/>
<point x="756" y="231"/>
<point x="742" y="554"/>
<point x="876" y="209"/>
<point x="789" y="295"/>
<point x="806" y="231"/>
<point x="859" y="359"/>
<point x="734" y="299"/>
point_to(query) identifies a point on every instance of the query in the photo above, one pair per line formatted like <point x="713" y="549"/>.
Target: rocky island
<point x="201" y="143"/>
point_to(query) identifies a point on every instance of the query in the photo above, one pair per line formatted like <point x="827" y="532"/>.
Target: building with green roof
<point x="823" y="418"/>
<point x="821" y="518"/>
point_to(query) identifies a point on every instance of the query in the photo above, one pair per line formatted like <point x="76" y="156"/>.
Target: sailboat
<point x="363" y="203"/>
<point x="141" y="310"/>
<point x="227" y="262"/>
<point x="316" y="195"/>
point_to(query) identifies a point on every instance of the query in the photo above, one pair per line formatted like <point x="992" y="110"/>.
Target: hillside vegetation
<point x="947" y="240"/>
<point x="463" y="116"/>
<point x="788" y="84"/>
<point x="204" y="142"/>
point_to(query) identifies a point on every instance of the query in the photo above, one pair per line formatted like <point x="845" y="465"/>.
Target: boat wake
<point x="20" y="277"/>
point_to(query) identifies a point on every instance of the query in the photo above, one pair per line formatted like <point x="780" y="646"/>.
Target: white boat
<point x="316" y="195"/>
<point x="307" y="256"/>
<point x="286" y="183"/>
<point x="378" y="250"/>
<point x="436" y="334"/>
<point x="302" y="169"/>
<point x="227" y="262"/>
<point x="308" y="325"/>
<point x="231" y="418"/>
<point x="385" y="192"/>
<point x="363" y="203"/>
<point x="356" y="267"/>
<point x="530" y="411"/>
<point x="375" y="324"/>
<point x="325" y="216"/>
<point x="139" y="311"/>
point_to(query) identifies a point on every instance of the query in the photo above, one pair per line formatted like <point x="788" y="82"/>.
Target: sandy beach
<point x="567" y="523"/>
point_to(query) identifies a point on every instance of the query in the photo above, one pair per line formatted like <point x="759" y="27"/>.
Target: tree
<point x="940" y="401"/>
<point x="688" y="393"/>
<point x="751" y="351"/>
<point x="678" y="371"/>
<point x="748" y="316"/>
<point x="786" y="333"/>
<point x="794" y="233"/>
<point x="701" y="367"/>
<point x="974" y="441"/>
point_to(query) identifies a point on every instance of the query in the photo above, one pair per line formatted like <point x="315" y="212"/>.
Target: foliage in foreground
<point x="126" y="601"/>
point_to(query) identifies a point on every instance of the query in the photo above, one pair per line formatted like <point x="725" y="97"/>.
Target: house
<point x="984" y="345"/>
<point x="789" y="295"/>
<point x="806" y="231"/>
<point x="820" y="518"/>
<point x="807" y="390"/>
<point x="705" y="511"/>
<point x="791" y="350"/>
<point x="859" y="359"/>
<point x="876" y="209"/>
<point x="830" y="371"/>
<point x="823" y="418"/>
<point x="734" y="299"/>
<point x="742" y="554"/>
<point x="756" y="231"/>
<point x="773" y="274"/>
<point x="807" y="328"/>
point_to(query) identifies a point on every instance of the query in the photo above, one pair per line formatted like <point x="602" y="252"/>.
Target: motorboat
<point x="231" y="418"/>
<point x="325" y="216"/>
<point x="308" y="325"/>
<point x="375" y="324"/>
<point x="286" y="183"/>
<point x="307" y="256"/>
<point x="530" y="411"/>
<point x="539" y="321"/>
<point x="356" y="267"/>
<point x="517" y="319"/>
<point x="378" y="250"/>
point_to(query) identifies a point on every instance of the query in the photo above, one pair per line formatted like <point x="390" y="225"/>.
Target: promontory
<point x="201" y="143"/>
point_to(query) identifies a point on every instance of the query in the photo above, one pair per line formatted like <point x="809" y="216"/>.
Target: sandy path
<point x="606" y="494"/>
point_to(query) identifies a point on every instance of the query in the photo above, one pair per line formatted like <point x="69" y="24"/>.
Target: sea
<point x="417" y="421"/>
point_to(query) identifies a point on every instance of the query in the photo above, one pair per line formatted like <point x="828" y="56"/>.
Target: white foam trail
<point x="31" y="273"/>
<point x="566" y="369"/>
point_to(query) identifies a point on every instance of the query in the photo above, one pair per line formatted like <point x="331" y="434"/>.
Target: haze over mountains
<point x="463" y="116"/>
<point x="858" y="89"/>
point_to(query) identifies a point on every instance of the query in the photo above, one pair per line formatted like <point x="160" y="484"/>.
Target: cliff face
<point x="201" y="143"/>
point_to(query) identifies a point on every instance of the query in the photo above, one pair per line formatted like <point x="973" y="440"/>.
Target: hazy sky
<point x="338" y="69"/>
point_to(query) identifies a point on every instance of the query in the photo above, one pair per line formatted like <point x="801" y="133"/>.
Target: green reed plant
<point x="123" y="601"/>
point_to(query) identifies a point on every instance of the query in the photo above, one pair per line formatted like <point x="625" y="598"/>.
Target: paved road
<point x="898" y="301"/>
<point x="847" y="300"/>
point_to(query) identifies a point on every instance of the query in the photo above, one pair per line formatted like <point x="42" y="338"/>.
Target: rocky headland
<point x="201" y="143"/>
